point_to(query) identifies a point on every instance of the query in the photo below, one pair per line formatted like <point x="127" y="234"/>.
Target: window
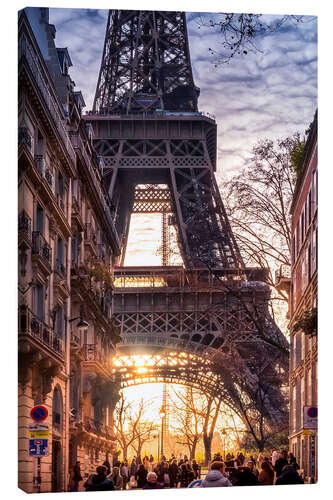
<point x="40" y="219"/>
<point x="57" y="408"/>
<point x="314" y="249"/>
<point x="39" y="302"/>
<point x="294" y="408"/>
<point x="60" y="250"/>
<point x="303" y="345"/>
<point x="302" y="227"/>
<point x="302" y="399"/>
<point x="60" y="185"/>
<point x="76" y="190"/>
<point x="315" y="190"/>
<point x="60" y="326"/>
<point x="298" y="342"/>
<point x="314" y="383"/>
<point x="309" y="267"/>
<point x="40" y="144"/>
<point x="294" y="293"/>
<point x="310" y="206"/>
<point x="293" y="250"/>
<point x="306" y="220"/>
<point x="309" y="388"/>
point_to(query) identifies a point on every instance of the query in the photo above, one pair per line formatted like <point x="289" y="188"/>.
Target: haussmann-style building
<point x="302" y="288"/>
<point x="67" y="249"/>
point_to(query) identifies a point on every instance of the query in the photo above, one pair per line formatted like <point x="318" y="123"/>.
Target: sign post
<point x="310" y="417"/>
<point x="39" y="439"/>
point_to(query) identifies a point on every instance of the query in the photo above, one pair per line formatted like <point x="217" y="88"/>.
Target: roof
<point x="310" y="143"/>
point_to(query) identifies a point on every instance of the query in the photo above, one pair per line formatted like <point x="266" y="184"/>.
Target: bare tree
<point x="144" y="435"/>
<point x="129" y="425"/>
<point x="255" y="386"/>
<point x="187" y="411"/>
<point x="239" y="32"/>
<point x="257" y="202"/>
<point x="210" y="414"/>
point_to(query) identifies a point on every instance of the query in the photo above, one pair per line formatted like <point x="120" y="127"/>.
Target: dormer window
<point x="79" y="100"/>
<point x="64" y="61"/>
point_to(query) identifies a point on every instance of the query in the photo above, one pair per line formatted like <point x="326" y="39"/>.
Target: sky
<point x="271" y="93"/>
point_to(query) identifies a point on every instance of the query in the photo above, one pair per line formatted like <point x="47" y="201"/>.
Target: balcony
<point x="41" y="252"/>
<point x="95" y="166"/>
<point x="94" y="355"/>
<point x="31" y="327"/>
<point x="60" y="279"/>
<point x="90" y="238"/>
<point x="45" y="171"/>
<point x="60" y="201"/>
<point x="283" y="278"/>
<point x="98" y="428"/>
<point x="24" y="138"/>
<point x="40" y="164"/>
<point x="24" y="230"/>
<point x="49" y="178"/>
<point x="76" y="213"/>
<point x="60" y="268"/>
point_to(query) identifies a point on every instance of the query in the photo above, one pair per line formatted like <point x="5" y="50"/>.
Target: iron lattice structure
<point x="159" y="154"/>
<point x="145" y="64"/>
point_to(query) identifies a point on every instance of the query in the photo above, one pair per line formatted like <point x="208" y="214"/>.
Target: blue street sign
<point x="38" y="447"/>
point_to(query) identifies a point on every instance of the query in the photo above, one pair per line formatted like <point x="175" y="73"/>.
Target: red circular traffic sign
<point x="313" y="412"/>
<point x="39" y="413"/>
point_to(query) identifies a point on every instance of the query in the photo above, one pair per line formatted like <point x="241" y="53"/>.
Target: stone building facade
<point x="67" y="247"/>
<point x="303" y="309"/>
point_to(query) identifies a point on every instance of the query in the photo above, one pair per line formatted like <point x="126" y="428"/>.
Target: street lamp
<point x="162" y="415"/>
<point x="158" y="444"/>
<point x="223" y="432"/>
<point x="82" y="325"/>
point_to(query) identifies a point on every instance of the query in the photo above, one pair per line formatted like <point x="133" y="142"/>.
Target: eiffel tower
<point x="159" y="154"/>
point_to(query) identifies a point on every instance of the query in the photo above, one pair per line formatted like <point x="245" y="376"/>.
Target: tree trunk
<point x="193" y="449"/>
<point x="125" y="452"/>
<point x="208" y="448"/>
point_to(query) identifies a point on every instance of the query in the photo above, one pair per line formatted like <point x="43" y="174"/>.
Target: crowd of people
<point x="180" y="472"/>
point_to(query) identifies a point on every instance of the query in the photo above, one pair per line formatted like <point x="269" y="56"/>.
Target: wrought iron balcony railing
<point x="95" y="174"/>
<point x="49" y="177"/>
<point x="40" y="164"/>
<point x="60" y="202"/>
<point x="93" y="352"/>
<point x="24" y="137"/>
<point x="97" y="427"/>
<point x="60" y="268"/>
<point x="24" y="225"/>
<point x="41" y="247"/>
<point x="31" y="325"/>
<point x="90" y="234"/>
<point x="75" y="338"/>
<point x="75" y="205"/>
<point x="44" y="170"/>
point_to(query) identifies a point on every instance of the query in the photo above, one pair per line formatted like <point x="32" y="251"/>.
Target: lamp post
<point x="223" y="432"/>
<point x="158" y="444"/>
<point x="82" y="325"/>
<point x="162" y="415"/>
